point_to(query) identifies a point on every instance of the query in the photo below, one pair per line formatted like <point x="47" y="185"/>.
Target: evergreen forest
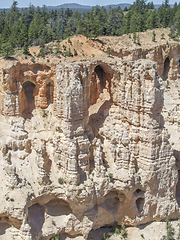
<point x="21" y="28"/>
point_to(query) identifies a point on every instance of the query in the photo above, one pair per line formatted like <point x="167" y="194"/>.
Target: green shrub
<point x="42" y="43"/>
<point x="123" y="230"/>
<point x="104" y="237"/>
<point x="41" y="53"/>
<point x="58" y="52"/>
<point x="33" y="60"/>
<point x="68" y="53"/>
<point x="44" y="113"/>
<point x="117" y="231"/>
<point x="75" y="52"/>
<point x="167" y="84"/>
<point x="162" y="36"/>
<point x="110" y="175"/>
<point x="60" y="181"/>
<point x="170" y="230"/>
<point x="154" y="37"/>
<point x="57" y="237"/>
<point x="138" y="40"/>
<point x="172" y="34"/>
<point x="69" y="41"/>
<point x="109" y="51"/>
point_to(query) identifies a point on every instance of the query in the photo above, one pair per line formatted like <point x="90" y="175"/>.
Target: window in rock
<point x="100" y="99"/>
<point x="140" y="204"/>
<point x="100" y="73"/>
<point x="49" y="93"/>
<point x="29" y="101"/>
<point x="166" y="68"/>
<point x="97" y="84"/>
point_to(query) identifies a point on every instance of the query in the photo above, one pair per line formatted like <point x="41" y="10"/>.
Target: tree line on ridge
<point x="37" y="26"/>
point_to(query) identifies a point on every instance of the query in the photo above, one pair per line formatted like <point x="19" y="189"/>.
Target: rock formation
<point x="167" y="57"/>
<point x="83" y="146"/>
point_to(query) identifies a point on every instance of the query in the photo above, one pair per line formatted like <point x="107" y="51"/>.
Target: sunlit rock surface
<point x="83" y="146"/>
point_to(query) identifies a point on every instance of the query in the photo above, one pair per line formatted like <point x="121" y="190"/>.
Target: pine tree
<point x="152" y="20"/>
<point x="7" y="49"/>
<point x="154" y="37"/>
<point x="26" y="49"/>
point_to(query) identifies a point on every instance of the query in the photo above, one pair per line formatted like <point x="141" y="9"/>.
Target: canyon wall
<point x="167" y="57"/>
<point x="83" y="146"/>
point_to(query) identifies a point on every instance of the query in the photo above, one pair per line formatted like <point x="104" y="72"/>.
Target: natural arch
<point x="166" y="68"/>
<point x="36" y="219"/>
<point x="28" y="103"/>
<point x="58" y="207"/>
<point x="110" y="210"/>
<point x="98" y="83"/>
<point x="49" y="92"/>
<point x="100" y="96"/>
<point x="101" y="74"/>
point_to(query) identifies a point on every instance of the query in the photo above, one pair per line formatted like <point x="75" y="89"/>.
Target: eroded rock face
<point x="166" y="56"/>
<point x="91" y="152"/>
<point x="25" y="87"/>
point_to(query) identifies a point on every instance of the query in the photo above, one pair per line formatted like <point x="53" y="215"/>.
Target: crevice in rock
<point x="166" y="68"/>
<point x="91" y="160"/>
<point x="178" y="188"/>
<point x="49" y="92"/>
<point x="47" y="167"/>
<point x="83" y="176"/>
<point x="140" y="204"/>
<point x="28" y="101"/>
<point x="176" y="154"/>
<point x="81" y="163"/>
